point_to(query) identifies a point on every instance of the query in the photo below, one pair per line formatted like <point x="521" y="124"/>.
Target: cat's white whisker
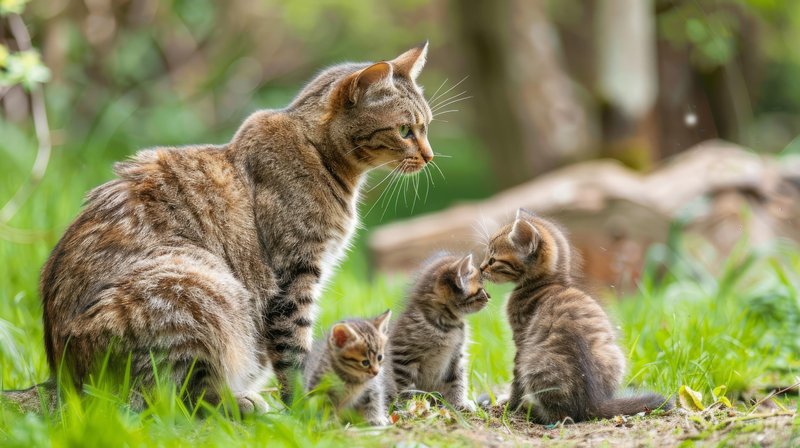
<point x="444" y="100"/>
<point x="454" y="86"/>
<point x="385" y="177"/>
<point x="445" y="112"/>
<point x="449" y="102"/>
<point x="435" y="165"/>
<point x="434" y="96"/>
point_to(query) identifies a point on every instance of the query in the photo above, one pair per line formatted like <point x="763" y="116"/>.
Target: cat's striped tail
<point x="632" y="405"/>
<point x="33" y="398"/>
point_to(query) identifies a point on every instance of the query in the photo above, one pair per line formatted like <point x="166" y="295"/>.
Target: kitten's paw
<point x="381" y="420"/>
<point x="251" y="403"/>
<point x="466" y="406"/>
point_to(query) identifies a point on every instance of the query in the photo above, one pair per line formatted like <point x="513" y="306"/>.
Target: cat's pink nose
<point x="425" y="149"/>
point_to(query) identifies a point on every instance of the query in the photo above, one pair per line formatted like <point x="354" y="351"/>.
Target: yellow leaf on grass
<point x="719" y="391"/>
<point x="690" y="399"/>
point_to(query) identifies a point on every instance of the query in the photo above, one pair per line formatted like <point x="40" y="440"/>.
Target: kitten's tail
<point x="34" y="398"/>
<point x="632" y="405"/>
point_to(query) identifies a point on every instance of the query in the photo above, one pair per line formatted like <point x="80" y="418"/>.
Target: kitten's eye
<point x="365" y="363"/>
<point x="380" y="357"/>
<point x="491" y="261"/>
<point x="405" y="131"/>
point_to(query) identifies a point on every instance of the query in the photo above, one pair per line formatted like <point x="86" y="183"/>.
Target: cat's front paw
<point x="251" y="403"/>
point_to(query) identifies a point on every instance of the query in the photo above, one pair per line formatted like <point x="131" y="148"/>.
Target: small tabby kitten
<point x="353" y="351"/>
<point x="568" y="363"/>
<point x="428" y="341"/>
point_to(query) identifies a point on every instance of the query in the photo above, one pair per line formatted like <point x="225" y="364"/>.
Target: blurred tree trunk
<point x="527" y="110"/>
<point x="627" y="79"/>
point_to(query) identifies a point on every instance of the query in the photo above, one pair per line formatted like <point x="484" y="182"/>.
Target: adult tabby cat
<point x="568" y="363"/>
<point x="353" y="353"/>
<point x="216" y="255"/>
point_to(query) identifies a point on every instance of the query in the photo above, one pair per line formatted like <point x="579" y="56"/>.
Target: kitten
<point x="568" y="363"/>
<point x="215" y="256"/>
<point x="353" y="351"/>
<point x="428" y="341"/>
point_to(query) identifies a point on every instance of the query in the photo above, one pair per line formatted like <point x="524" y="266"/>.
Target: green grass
<point x="733" y="325"/>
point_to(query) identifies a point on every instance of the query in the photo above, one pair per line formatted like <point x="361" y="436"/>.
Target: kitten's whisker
<point x="454" y="86"/>
<point x="446" y="156"/>
<point x="436" y="119"/>
<point x="434" y="96"/>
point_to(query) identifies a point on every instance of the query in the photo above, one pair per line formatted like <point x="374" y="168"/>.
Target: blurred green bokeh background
<point x="538" y="85"/>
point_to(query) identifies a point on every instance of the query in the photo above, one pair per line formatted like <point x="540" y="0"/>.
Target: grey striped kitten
<point x="568" y="363"/>
<point x="428" y="341"/>
<point x="352" y="352"/>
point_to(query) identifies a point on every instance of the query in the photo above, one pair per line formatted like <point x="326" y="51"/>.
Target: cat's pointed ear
<point x="341" y="334"/>
<point x="464" y="270"/>
<point x="524" y="236"/>
<point x="410" y="63"/>
<point x="372" y="76"/>
<point x="522" y="213"/>
<point x="382" y="322"/>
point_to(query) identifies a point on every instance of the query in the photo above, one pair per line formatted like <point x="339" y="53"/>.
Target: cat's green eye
<point x="405" y="131"/>
<point x="365" y="363"/>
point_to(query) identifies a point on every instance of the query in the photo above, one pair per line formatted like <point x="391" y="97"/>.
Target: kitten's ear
<point x="411" y="62"/>
<point x="341" y="333"/>
<point x="382" y="322"/>
<point x="524" y="236"/>
<point x="374" y="75"/>
<point x="464" y="270"/>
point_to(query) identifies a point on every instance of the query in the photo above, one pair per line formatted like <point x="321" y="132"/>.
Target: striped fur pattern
<point x="568" y="363"/>
<point x="428" y="341"/>
<point x="216" y="255"/>
<point x="353" y="351"/>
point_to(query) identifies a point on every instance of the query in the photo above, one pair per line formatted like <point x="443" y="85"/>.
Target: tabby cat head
<point x="451" y="286"/>
<point x="530" y="247"/>
<point x="375" y="114"/>
<point x="357" y="347"/>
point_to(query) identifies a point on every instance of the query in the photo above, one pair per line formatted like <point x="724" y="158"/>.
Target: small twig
<point x="772" y="394"/>
<point x="20" y="33"/>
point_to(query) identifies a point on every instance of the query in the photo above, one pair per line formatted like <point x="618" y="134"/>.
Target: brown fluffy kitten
<point x="568" y="363"/>
<point x="216" y="255"/>
<point x="428" y="342"/>
<point x="353" y="351"/>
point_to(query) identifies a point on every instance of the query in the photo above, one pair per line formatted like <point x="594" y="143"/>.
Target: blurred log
<point x="614" y="214"/>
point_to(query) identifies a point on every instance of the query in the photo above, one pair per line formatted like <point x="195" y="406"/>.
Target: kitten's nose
<point x="374" y="370"/>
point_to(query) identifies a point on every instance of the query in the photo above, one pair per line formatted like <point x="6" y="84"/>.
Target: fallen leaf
<point x="690" y="399"/>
